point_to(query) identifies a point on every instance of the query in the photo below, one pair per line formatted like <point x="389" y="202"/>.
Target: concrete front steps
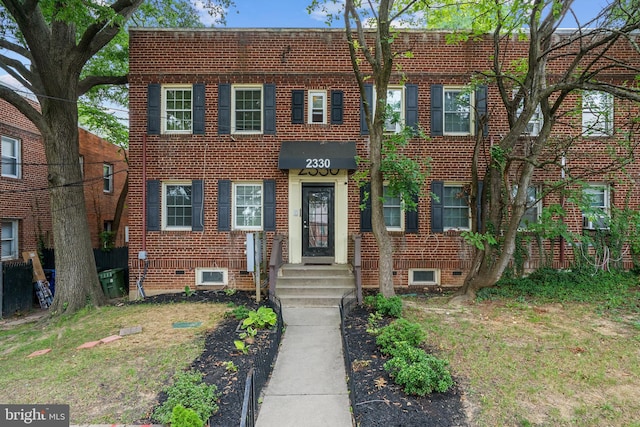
<point x="301" y="285"/>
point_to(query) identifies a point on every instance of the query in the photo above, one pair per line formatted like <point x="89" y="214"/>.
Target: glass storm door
<point x="317" y="220"/>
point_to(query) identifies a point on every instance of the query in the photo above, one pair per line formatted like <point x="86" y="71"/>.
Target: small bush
<point x="418" y="372"/>
<point x="400" y="330"/>
<point x="184" y="417"/>
<point x="189" y="391"/>
<point x="240" y="312"/>
<point x="387" y="306"/>
<point x="263" y="317"/>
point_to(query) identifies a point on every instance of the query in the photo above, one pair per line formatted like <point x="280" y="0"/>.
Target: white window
<point x="176" y="203"/>
<point x="596" y="213"/>
<point x="533" y="209"/>
<point x="424" y="276"/>
<point x="11" y="154"/>
<point x="597" y="113"/>
<point x="211" y="276"/>
<point x="394" y="119"/>
<point x="317" y="107"/>
<point x="9" y="237"/>
<point x="456" y="213"/>
<point x="247" y="108"/>
<point x="393" y="212"/>
<point x="247" y="206"/>
<point x="177" y="103"/>
<point x="458" y="119"/>
<point x="81" y="160"/>
<point x="107" y="178"/>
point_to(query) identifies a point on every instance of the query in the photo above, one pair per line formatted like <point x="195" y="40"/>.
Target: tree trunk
<point x="77" y="282"/>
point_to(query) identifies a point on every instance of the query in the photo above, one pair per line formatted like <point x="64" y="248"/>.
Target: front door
<point x="317" y="220"/>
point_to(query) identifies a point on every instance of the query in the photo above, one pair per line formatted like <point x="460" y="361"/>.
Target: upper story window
<point x="394" y="119"/>
<point x="247" y="206"/>
<point x="247" y="109"/>
<point x="9" y="238"/>
<point x="456" y="212"/>
<point x="107" y="178"/>
<point x="177" y="103"/>
<point x="11" y="157"/>
<point x="176" y="202"/>
<point x="597" y="113"/>
<point x="317" y="109"/>
<point x="457" y="111"/>
<point x="596" y="212"/>
<point x="393" y="212"/>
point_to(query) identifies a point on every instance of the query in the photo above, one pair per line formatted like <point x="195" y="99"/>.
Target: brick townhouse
<point x="24" y="195"/>
<point x="235" y="131"/>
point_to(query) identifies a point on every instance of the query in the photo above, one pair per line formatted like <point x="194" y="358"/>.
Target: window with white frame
<point x="395" y="110"/>
<point x="176" y="202"/>
<point x="9" y="237"/>
<point x="424" y="276"/>
<point x="533" y="208"/>
<point x="107" y="178"/>
<point x="456" y="212"/>
<point x="11" y="157"/>
<point x="393" y="212"/>
<point x="247" y="206"/>
<point x="177" y="104"/>
<point x="81" y="160"/>
<point x="211" y="276"/>
<point x="317" y="107"/>
<point x="596" y="212"/>
<point x="247" y="109"/>
<point x="457" y="111"/>
<point x="597" y="113"/>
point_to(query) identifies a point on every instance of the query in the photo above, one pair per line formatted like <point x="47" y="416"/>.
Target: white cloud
<point x="205" y="13"/>
<point x="328" y="9"/>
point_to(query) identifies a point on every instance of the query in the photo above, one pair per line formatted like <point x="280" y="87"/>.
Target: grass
<point x="111" y="383"/>
<point x="525" y="356"/>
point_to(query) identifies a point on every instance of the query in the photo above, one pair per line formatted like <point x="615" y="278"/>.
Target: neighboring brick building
<point x="234" y="131"/>
<point x="24" y="194"/>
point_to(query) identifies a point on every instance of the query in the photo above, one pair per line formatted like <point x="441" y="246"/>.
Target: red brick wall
<point x="26" y="199"/>
<point x="101" y="206"/>
<point x="302" y="59"/>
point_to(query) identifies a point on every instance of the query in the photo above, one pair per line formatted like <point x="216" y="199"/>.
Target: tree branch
<point x="91" y="81"/>
<point x="24" y="106"/>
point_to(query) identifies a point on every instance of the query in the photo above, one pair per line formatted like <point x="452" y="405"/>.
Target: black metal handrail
<point x="347" y="303"/>
<point x="262" y="367"/>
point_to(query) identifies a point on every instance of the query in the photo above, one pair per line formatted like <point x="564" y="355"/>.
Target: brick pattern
<point x="27" y="199"/>
<point x="312" y="59"/>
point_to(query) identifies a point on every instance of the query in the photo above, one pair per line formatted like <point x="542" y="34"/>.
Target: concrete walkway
<point x="308" y="384"/>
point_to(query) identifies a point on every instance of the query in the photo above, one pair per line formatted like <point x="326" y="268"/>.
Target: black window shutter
<point x="198" y="108"/>
<point x="224" y="109"/>
<point x="336" y="107"/>
<point x="297" y="107"/>
<point x="437" y="110"/>
<point x="153" y="205"/>
<point x="224" y="205"/>
<point x="411" y="218"/>
<point x="481" y="108"/>
<point x="153" y="109"/>
<point x="411" y="106"/>
<point x="368" y="92"/>
<point x="197" y="205"/>
<point x="479" y="206"/>
<point x="269" y="203"/>
<point x="269" y="109"/>
<point x="437" y="206"/>
<point x="365" y="214"/>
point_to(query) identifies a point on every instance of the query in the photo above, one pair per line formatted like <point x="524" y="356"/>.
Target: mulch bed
<point x="383" y="406"/>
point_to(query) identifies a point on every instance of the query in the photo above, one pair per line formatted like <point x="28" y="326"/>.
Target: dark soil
<point x="384" y="406"/>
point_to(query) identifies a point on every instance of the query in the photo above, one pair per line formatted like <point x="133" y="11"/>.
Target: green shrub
<point x="240" y="312"/>
<point x="387" y="306"/>
<point x="400" y="330"/>
<point x="185" y="417"/>
<point x="263" y="317"/>
<point x="189" y="391"/>
<point x="418" y="372"/>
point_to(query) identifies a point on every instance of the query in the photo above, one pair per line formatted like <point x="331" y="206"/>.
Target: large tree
<point x="553" y="70"/>
<point x="56" y="50"/>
